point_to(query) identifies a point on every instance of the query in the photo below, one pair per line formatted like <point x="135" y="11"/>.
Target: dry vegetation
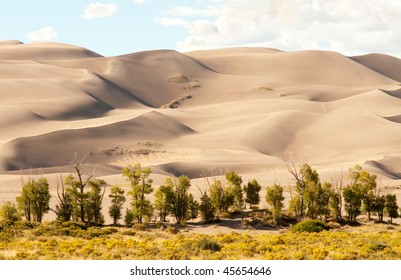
<point x="54" y="240"/>
<point x="175" y="103"/>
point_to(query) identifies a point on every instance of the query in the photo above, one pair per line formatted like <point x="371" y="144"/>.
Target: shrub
<point x="140" y="227"/>
<point x="128" y="233"/>
<point x="172" y="230"/>
<point x="377" y="247"/>
<point x="179" y="78"/>
<point x="310" y="226"/>
<point x="208" y="244"/>
<point x="9" y="213"/>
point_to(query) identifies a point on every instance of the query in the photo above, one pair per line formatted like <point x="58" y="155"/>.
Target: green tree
<point x="24" y="201"/>
<point x="64" y="206"/>
<point x="206" y="208"/>
<point x="193" y="207"/>
<point x="234" y="189"/>
<point x="369" y="204"/>
<point x="141" y="186"/>
<point x="164" y="197"/>
<point x="361" y="189"/>
<point x="336" y="198"/>
<point x="252" y="190"/>
<point x="380" y="205"/>
<point x="77" y="192"/>
<point x="94" y="204"/>
<point x="34" y="199"/>
<point x="312" y="191"/>
<point x="275" y="198"/>
<point x="323" y="201"/>
<point x="353" y="195"/>
<point x="391" y="206"/>
<point x="117" y="201"/>
<point x="294" y="206"/>
<point x="9" y="213"/>
<point x="218" y="196"/>
<point x="311" y="198"/>
<point x="297" y="202"/>
<point x="180" y="197"/>
<point x="334" y="204"/>
<point x="129" y="218"/>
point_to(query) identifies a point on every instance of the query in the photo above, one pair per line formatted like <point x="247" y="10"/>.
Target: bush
<point x="140" y="227"/>
<point x="208" y="244"/>
<point x="310" y="226"/>
<point x="172" y="230"/>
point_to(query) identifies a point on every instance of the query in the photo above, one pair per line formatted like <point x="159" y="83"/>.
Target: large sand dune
<point x="197" y="113"/>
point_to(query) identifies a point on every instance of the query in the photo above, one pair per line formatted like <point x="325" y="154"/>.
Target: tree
<point x="353" y="195"/>
<point x="218" y="196"/>
<point x="64" y="207"/>
<point x="312" y="192"/>
<point x="34" y="199"/>
<point x="180" y="198"/>
<point x="193" y="207"/>
<point x="117" y="201"/>
<point x="252" y="190"/>
<point x="141" y="185"/>
<point x="94" y="204"/>
<point x="369" y="205"/>
<point x="163" y="201"/>
<point x="206" y="208"/>
<point x="380" y="205"/>
<point x="359" y="190"/>
<point x="295" y="206"/>
<point x="129" y="218"/>
<point x="336" y="198"/>
<point x="76" y="191"/>
<point x="311" y="198"/>
<point x="275" y="198"/>
<point x="323" y="201"/>
<point x="234" y="188"/>
<point x="9" y="213"/>
<point x="298" y="201"/>
<point x="391" y="206"/>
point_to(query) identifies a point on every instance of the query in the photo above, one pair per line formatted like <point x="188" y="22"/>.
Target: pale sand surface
<point x="246" y="109"/>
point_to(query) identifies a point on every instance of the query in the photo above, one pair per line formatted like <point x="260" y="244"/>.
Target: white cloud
<point x="350" y="27"/>
<point x="99" y="10"/>
<point x="44" y="34"/>
<point x="139" y="1"/>
<point x="190" y="11"/>
<point x="171" y="21"/>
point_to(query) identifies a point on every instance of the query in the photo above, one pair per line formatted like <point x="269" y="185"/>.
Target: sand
<point x="196" y="114"/>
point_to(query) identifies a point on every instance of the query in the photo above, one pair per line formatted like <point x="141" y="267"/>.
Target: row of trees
<point x="173" y="198"/>
<point x="311" y="198"/>
<point x="80" y="197"/>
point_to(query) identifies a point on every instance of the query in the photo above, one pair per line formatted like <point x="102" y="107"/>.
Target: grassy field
<point x="54" y="241"/>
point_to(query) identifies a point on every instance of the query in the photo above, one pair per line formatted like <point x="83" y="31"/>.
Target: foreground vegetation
<point x="71" y="240"/>
<point x="313" y="226"/>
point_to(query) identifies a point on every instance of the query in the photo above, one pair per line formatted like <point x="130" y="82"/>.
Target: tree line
<point x="79" y="197"/>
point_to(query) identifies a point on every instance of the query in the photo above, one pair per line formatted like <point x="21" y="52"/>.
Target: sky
<point x="115" y="27"/>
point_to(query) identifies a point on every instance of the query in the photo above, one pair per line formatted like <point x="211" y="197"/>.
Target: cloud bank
<point x="350" y="27"/>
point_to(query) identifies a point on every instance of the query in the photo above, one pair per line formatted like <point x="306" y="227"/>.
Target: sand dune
<point x="197" y="113"/>
<point x="387" y="65"/>
<point x="14" y="50"/>
<point x="96" y="144"/>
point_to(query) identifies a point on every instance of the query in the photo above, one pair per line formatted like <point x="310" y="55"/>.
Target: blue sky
<point x="123" y="26"/>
